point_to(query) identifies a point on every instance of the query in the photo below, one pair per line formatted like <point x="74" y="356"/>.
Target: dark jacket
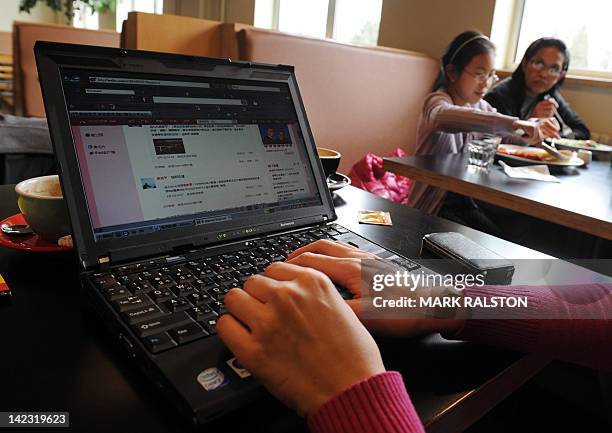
<point x="507" y="98"/>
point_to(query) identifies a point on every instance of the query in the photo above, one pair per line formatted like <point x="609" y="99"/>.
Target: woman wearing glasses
<point x="455" y="114"/>
<point x="533" y="89"/>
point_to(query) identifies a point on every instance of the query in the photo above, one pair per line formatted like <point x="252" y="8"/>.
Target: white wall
<point x="427" y="26"/>
<point x="40" y="14"/>
<point x="233" y="11"/>
<point x="593" y="104"/>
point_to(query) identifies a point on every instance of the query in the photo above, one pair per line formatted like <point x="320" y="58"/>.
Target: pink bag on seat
<point x="368" y="175"/>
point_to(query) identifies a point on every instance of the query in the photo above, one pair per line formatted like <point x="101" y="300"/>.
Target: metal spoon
<point x="553" y="151"/>
<point x="549" y="149"/>
<point x="16" y="229"/>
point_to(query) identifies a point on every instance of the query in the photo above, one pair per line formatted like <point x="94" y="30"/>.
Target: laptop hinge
<point x="104" y="262"/>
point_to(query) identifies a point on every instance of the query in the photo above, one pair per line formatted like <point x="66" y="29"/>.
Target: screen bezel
<point x="53" y="56"/>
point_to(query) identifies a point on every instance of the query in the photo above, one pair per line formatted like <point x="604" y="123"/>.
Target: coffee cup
<point x="42" y="205"/>
<point x="330" y="159"/>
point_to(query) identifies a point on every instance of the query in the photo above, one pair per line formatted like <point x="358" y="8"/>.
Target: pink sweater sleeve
<point x="568" y="323"/>
<point x="379" y="404"/>
<point x="571" y="323"/>
<point x="440" y="112"/>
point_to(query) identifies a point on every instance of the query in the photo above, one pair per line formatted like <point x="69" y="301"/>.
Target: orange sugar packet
<point x="374" y="217"/>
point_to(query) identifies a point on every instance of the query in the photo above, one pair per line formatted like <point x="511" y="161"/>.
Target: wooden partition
<point x="6" y="72"/>
<point x="6" y="43"/>
<point x="28" y="97"/>
<point x="180" y="35"/>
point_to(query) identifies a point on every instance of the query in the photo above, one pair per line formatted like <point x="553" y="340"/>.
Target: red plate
<point x="28" y="242"/>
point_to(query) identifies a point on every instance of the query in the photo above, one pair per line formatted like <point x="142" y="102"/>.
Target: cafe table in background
<point x="582" y="200"/>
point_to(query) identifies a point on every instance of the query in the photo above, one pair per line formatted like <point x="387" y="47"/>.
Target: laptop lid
<point x="161" y="153"/>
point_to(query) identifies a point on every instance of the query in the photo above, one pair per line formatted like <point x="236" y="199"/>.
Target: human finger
<point x="552" y="123"/>
<point x="549" y="131"/>
<point x="552" y="102"/>
<point x="343" y="271"/>
<point x="243" y="306"/>
<point x="236" y="337"/>
<point x="283" y="271"/>
<point x="329" y="248"/>
<point x="550" y="128"/>
<point x="260" y="287"/>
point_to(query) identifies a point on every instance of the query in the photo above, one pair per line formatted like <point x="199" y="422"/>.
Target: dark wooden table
<point x="582" y="200"/>
<point x="55" y="354"/>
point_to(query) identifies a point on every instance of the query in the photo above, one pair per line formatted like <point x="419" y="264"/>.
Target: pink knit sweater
<point x="581" y="333"/>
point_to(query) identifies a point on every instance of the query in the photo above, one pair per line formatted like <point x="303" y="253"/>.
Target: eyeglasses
<point x="539" y="65"/>
<point x="481" y="78"/>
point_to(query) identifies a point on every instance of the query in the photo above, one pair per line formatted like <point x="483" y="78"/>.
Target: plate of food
<point x="523" y="155"/>
<point x="572" y="144"/>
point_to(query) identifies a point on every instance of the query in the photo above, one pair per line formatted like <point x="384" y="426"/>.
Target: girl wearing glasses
<point x="455" y="113"/>
<point x="533" y="89"/>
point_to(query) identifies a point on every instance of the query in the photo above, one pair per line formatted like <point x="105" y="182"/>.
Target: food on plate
<point x="590" y="144"/>
<point x="532" y="153"/>
<point x="65" y="241"/>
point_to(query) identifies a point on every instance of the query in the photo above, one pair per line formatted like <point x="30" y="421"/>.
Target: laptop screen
<point x="158" y="152"/>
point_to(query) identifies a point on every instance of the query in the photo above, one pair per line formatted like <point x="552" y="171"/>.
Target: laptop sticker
<point x="211" y="379"/>
<point x="238" y="368"/>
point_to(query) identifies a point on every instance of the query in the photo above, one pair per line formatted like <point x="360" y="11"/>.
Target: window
<point x="351" y="21"/>
<point x="305" y="18"/>
<point x="584" y="27"/>
<point x="85" y="17"/>
<point x="125" y="6"/>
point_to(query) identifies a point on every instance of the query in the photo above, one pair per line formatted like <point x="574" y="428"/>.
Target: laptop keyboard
<point x="171" y="304"/>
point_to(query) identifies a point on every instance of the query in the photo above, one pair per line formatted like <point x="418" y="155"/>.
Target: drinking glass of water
<point x="482" y="152"/>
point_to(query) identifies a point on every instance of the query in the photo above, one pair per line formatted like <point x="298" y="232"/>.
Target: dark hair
<point x="460" y="52"/>
<point x="518" y="76"/>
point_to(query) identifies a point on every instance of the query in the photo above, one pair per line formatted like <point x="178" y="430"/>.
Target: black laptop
<point x="183" y="176"/>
